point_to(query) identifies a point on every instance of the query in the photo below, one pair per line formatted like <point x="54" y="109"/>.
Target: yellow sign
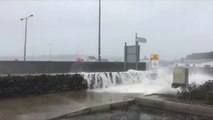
<point x="154" y="57"/>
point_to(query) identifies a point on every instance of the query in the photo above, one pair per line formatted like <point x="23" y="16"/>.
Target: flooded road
<point x="52" y="105"/>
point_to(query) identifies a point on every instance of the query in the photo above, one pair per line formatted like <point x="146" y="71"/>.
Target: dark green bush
<point x="202" y="92"/>
<point x="40" y="84"/>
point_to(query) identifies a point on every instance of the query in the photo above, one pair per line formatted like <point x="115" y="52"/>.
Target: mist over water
<point x="134" y="81"/>
<point x="199" y="78"/>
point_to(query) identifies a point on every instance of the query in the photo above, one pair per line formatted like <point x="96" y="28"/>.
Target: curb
<point x="153" y="103"/>
<point x="175" y="107"/>
<point x="98" y="108"/>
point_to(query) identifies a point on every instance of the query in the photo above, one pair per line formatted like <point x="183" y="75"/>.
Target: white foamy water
<point x="199" y="78"/>
<point x="134" y="81"/>
<point x="101" y="80"/>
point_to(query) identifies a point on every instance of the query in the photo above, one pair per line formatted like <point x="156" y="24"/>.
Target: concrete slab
<point x="75" y="103"/>
<point x="100" y="108"/>
<point x="53" y="105"/>
<point x="73" y="113"/>
<point x="176" y="107"/>
<point x="97" y="108"/>
<point x="120" y="104"/>
<point x="134" y="112"/>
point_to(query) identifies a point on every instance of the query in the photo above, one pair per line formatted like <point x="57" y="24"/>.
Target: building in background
<point x="198" y="56"/>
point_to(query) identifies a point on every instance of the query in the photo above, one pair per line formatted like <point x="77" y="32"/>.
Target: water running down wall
<point x="131" y="81"/>
<point x="134" y="81"/>
<point x="100" y="80"/>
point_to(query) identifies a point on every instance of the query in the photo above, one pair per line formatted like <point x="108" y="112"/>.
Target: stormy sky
<point x="172" y="28"/>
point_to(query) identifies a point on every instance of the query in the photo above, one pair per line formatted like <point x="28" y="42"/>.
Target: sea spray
<point x="134" y="81"/>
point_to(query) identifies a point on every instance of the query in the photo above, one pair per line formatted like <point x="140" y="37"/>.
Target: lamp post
<point x="25" y="40"/>
<point x="99" y="33"/>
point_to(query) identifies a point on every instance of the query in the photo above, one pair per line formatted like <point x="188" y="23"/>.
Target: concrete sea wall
<point x="33" y="67"/>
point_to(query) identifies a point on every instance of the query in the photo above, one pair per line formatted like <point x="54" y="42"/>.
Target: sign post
<point x="137" y="40"/>
<point x="125" y="56"/>
<point x="154" y="65"/>
<point x="132" y="53"/>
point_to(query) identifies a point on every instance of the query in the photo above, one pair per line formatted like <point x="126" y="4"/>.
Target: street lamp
<point x="25" y="41"/>
<point x="99" y="33"/>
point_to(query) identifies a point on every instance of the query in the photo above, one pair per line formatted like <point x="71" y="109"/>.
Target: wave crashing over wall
<point x="134" y="81"/>
<point x="100" y="80"/>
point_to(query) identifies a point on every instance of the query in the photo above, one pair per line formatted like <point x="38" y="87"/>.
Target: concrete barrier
<point x="35" y="67"/>
<point x="73" y="113"/>
<point x="152" y="103"/>
<point x="100" y="108"/>
<point x="175" y="107"/>
<point x="119" y="105"/>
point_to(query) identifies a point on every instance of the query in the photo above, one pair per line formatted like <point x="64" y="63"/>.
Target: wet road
<point x="52" y="105"/>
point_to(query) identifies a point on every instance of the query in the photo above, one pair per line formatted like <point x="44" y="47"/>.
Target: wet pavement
<point x="134" y="112"/>
<point x="52" y="105"/>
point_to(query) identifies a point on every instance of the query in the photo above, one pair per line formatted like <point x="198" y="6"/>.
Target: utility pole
<point x="99" y="33"/>
<point x="25" y="39"/>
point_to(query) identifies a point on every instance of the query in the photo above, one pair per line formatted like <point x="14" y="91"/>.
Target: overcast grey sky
<point x="172" y="28"/>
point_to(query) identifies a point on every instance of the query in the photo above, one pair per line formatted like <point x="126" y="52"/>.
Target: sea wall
<point x="33" y="67"/>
